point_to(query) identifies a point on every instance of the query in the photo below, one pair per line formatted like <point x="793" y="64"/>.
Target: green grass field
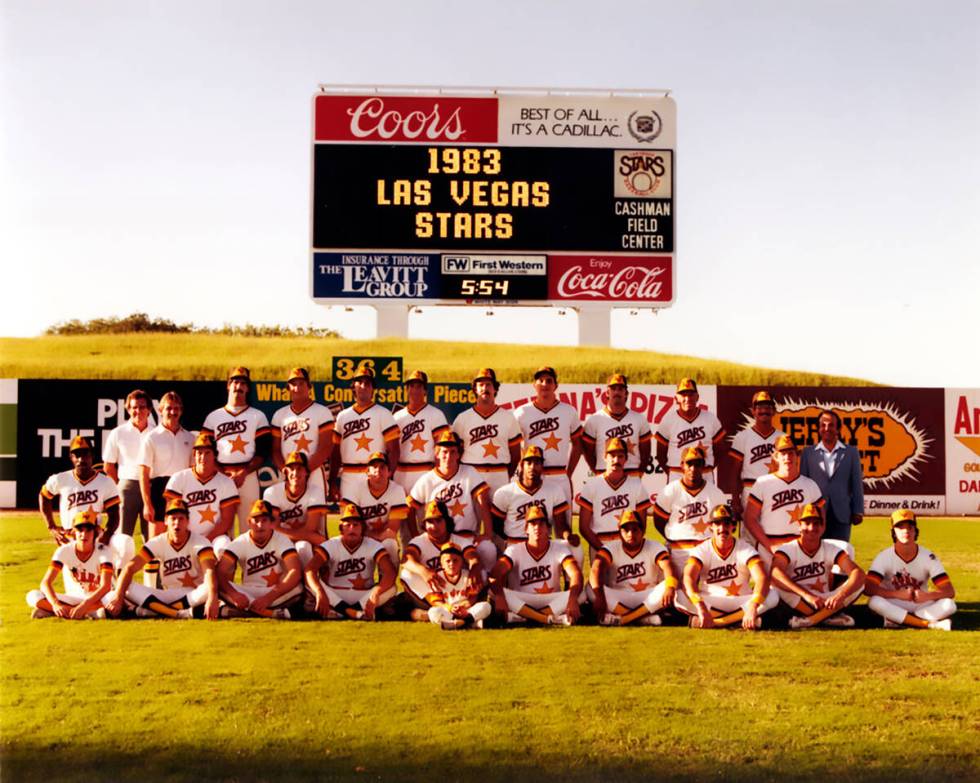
<point x="260" y="700"/>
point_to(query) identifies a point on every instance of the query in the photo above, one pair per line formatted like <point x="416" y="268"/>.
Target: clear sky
<point x="156" y="158"/>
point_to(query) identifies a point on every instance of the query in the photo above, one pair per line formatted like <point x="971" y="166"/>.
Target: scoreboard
<point x="505" y="199"/>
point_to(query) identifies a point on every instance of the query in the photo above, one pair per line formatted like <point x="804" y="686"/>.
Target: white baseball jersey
<point x="235" y="433"/>
<point x="724" y="576"/>
<point x="893" y="573"/>
<point x="426" y="551"/>
<point x="638" y="572"/>
<point x="511" y="502"/>
<point x="754" y="452"/>
<point x="811" y="571"/>
<point x="205" y="499"/>
<point x="529" y="574"/>
<point x="81" y="577"/>
<point x="378" y="509"/>
<point x="454" y="593"/>
<point x="302" y="430"/>
<point x="99" y="493"/>
<point x="360" y="432"/>
<point x="677" y="433"/>
<point x="608" y="501"/>
<point x="487" y="439"/>
<point x="181" y="568"/>
<point x="263" y="567"/>
<point x="122" y="447"/>
<point x="165" y="452"/>
<point x="418" y="433"/>
<point x="352" y="570"/>
<point x="293" y="510"/>
<point x="781" y="503"/>
<point x="631" y="426"/>
<point x="459" y="492"/>
<point x="552" y="430"/>
<point x="686" y="510"/>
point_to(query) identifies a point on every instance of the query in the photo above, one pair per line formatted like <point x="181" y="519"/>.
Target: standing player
<point x="120" y="455"/>
<point x="456" y="606"/>
<point x="526" y="581"/>
<point x="802" y="574"/>
<point x="511" y="501"/>
<point x="362" y="429"/>
<point x="772" y="514"/>
<point x="616" y="420"/>
<point x="186" y="573"/>
<point x="632" y="578"/>
<point x="751" y="451"/>
<point x="490" y="435"/>
<point x="299" y="505"/>
<point x="683" y="507"/>
<point x="381" y="502"/>
<point x="242" y="435"/>
<point x="688" y="425"/>
<point x="165" y="450"/>
<point x="420" y="425"/>
<point x="271" y="572"/>
<point x="898" y="581"/>
<point x="211" y="497"/>
<point x="305" y="426"/>
<point x="86" y="570"/>
<point x="554" y="427"/>
<point x="717" y="590"/>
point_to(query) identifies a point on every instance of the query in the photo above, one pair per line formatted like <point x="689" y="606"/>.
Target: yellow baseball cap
<point x="617" y="379"/>
<point x="298" y="458"/>
<point x="298" y="374"/>
<point x="693" y="453"/>
<point x="85" y="518"/>
<point x="616" y="444"/>
<point x="629" y="517"/>
<point x="205" y="440"/>
<point x="351" y="511"/>
<point x="239" y="372"/>
<point x="811" y="511"/>
<point x="532" y="452"/>
<point x="450" y="548"/>
<point x="448" y="439"/>
<point x="378" y="456"/>
<point x="903" y="515"/>
<point x="435" y="510"/>
<point x="261" y="508"/>
<point x="762" y="397"/>
<point x="536" y="514"/>
<point x="785" y="443"/>
<point x="418" y="376"/>
<point x="687" y="386"/>
<point x="80" y="443"/>
<point x="177" y="506"/>
<point x="363" y="371"/>
<point x="546" y="370"/>
<point x="720" y="513"/>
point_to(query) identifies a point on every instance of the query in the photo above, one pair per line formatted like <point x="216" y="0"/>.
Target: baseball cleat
<point x="559" y="619"/>
<point x="799" y="622"/>
<point x="694" y="622"/>
<point x="40" y="614"/>
<point x="610" y="619"/>
<point x="99" y="614"/>
<point x="185" y="614"/>
<point x="514" y="617"/>
<point x="650" y="619"/>
<point x="282" y="614"/>
<point x="144" y="613"/>
<point x="942" y="625"/>
<point x="890" y="624"/>
<point x="840" y="621"/>
<point x="451" y="625"/>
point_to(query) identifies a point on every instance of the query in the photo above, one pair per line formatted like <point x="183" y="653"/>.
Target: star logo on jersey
<point x="639" y="585"/>
<point x="360" y="583"/>
<point x="818" y="585"/>
<point x="457" y="509"/>
<point x="207" y="515"/>
<point x="732" y="588"/>
<point x="490" y="449"/>
<point x="699" y="527"/>
<point x="271" y="578"/>
<point x="303" y="443"/>
<point x="418" y="443"/>
<point x="551" y="441"/>
<point x="363" y="442"/>
<point x="795" y="513"/>
<point x="238" y="444"/>
<point x="542" y="590"/>
<point x="187" y="580"/>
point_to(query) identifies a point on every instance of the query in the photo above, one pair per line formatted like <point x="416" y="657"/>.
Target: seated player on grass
<point x="187" y="576"/>
<point x="456" y="605"/>
<point x="632" y="578"/>
<point x="351" y="561"/>
<point x="898" y="581"/>
<point x="802" y="573"/>
<point x="86" y="570"/>
<point x="420" y="565"/>
<point x="719" y="579"/>
<point x="271" y="571"/>
<point x="526" y="581"/>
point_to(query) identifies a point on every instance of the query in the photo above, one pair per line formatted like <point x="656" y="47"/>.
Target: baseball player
<point x="381" y="502"/>
<point x="526" y="581"/>
<point x="305" y="426"/>
<point x="490" y="435"/>
<point x="632" y="579"/>
<point x="420" y="565"/>
<point x="242" y="435"/>
<point x="751" y="451"/>
<point x="187" y="573"/>
<point x="211" y="497"/>
<point x="898" y="581"/>
<point x="456" y="606"/>
<point x="271" y="571"/>
<point x="772" y="514"/>
<point x="683" y="507"/>
<point x="420" y="425"/>
<point x="351" y="560"/>
<point x="717" y="590"/>
<point x="465" y="494"/>
<point x="85" y="566"/>
<point x="299" y="505"/>
<point x="511" y="501"/>
<point x="555" y="428"/>
<point x="165" y="449"/>
<point x="362" y="429"/>
<point x="802" y="574"/>
<point x="688" y="425"/>
<point x="605" y="497"/>
<point x="616" y="420"/>
<point x="120" y="458"/>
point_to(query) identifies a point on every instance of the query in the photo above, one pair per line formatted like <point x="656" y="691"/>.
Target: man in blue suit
<point x="836" y="468"/>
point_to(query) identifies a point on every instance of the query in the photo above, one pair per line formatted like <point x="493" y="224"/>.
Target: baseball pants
<point x="442" y="614"/>
<point x="138" y="595"/>
<point x="35" y="596"/>
<point x="548" y="603"/>
<point x="355" y="599"/>
<point x="895" y="610"/>
<point x="131" y="508"/>
<point x="631" y="599"/>
<point x="724" y="603"/>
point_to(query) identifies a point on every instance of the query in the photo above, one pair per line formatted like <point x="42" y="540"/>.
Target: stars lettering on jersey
<point x="207" y="515"/>
<point x="639" y="585"/>
<point x="457" y="509"/>
<point x="238" y="444"/>
<point x="303" y="443"/>
<point x="271" y="578"/>
<point x="732" y="588"/>
<point x="360" y="583"/>
<point x="490" y="449"/>
<point x="187" y="580"/>
<point x="551" y="441"/>
<point x="795" y="513"/>
<point x="418" y="443"/>
<point x="363" y="442"/>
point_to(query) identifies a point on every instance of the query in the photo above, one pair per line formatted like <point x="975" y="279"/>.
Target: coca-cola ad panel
<point x="611" y="279"/>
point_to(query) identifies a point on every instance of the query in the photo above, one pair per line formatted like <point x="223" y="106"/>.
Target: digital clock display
<point x="495" y="287"/>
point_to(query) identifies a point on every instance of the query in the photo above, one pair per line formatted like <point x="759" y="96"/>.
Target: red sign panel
<point x="404" y="118"/>
<point x="595" y="278"/>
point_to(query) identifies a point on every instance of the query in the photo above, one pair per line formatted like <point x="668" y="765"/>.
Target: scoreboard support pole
<point x="392" y="320"/>
<point x="594" y="326"/>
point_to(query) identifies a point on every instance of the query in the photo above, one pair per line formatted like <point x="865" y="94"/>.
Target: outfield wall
<point x="920" y="447"/>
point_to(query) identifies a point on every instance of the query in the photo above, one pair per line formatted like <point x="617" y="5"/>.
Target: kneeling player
<point x="632" y="578"/>
<point x="802" y="573"/>
<point x="351" y="559"/>
<point x="455" y="606"/>
<point x="532" y="570"/>
<point x="86" y="570"/>
<point x="186" y="573"/>
<point x="271" y="571"/>
<point x="898" y="575"/>
<point x="717" y="580"/>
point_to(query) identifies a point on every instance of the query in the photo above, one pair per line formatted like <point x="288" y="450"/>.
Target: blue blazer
<point x="844" y="491"/>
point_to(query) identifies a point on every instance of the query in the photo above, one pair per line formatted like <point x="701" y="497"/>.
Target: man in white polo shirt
<point x="120" y="458"/>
